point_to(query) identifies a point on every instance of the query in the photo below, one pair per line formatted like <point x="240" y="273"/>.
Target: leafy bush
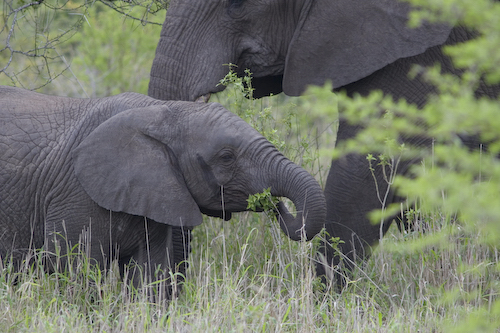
<point x="33" y="35"/>
<point x="80" y="49"/>
<point x="112" y="54"/>
<point x="453" y="180"/>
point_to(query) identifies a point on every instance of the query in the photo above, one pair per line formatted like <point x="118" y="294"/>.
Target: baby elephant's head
<point x="171" y="162"/>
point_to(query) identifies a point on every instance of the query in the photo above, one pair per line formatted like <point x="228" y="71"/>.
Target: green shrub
<point x="453" y="181"/>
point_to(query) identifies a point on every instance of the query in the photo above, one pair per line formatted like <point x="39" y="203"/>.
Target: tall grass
<point x="245" y="276"/>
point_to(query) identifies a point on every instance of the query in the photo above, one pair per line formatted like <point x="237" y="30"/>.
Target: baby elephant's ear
<point x="125" y="170"/>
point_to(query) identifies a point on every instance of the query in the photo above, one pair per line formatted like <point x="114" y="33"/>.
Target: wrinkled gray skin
<point x="359" y="45"/>
<point x="131" y="175"/>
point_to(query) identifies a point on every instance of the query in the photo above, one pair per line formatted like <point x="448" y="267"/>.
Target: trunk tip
<point x="300" y="227"/>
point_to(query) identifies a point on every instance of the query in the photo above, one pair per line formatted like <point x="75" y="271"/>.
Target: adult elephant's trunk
<point x="190" y="57"/>
<point x="295" y="183"/>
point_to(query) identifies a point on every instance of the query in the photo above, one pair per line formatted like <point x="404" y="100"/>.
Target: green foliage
<point x="81" y="48"/>
<point x="32" y="34"/>
<point x="452" y="178"/>
<point x="263" y="201"/>
<point x="245" y="106"/>
<point x="453" y="181"/>
<point x="112" y="54"/>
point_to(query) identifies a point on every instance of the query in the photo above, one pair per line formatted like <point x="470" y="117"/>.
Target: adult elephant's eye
<point x="227" y="157"/>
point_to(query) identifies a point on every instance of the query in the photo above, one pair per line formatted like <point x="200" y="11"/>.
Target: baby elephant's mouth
<point x="226" y="216"/>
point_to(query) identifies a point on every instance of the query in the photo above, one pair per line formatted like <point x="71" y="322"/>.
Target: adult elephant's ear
<point x="124" y="167"/>
<point x="346" y="40"/>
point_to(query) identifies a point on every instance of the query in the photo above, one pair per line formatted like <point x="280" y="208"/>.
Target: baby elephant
<point x="128" y="177"/>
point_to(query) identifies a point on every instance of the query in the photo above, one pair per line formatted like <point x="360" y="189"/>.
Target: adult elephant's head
<point x="287" y="45"/>
<point x="173" y="162"/>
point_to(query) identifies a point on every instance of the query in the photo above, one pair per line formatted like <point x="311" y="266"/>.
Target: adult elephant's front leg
<point x="354" y="188"/>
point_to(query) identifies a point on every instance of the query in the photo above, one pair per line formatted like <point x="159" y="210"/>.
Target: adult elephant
<point x="359" y="46"/>
<point x="128" y="175"/>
